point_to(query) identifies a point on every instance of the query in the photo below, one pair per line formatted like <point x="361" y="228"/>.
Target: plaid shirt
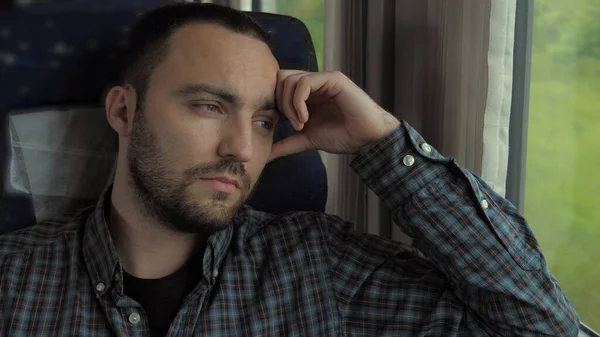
<point x="478" y="270"/>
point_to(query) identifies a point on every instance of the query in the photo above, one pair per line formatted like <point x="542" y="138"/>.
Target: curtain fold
<point x="497" y="113"/>
<point x="428" y="62"/>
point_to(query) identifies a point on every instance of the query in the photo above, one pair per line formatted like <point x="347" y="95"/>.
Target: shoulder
<point x="302" y="225"/>
<point x="293" y="222"/>
<point x="290" y="229"/>
<point x="43" y="235"/>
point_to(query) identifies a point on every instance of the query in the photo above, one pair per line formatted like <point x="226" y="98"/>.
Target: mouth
<point x="222" y="184"/>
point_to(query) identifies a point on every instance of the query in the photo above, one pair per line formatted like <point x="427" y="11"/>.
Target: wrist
<point x="385" y="132"/>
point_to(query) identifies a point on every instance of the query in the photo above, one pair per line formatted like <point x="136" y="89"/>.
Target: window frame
<point x="519" y="113"/>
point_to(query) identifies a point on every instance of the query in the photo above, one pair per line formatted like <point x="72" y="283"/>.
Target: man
<point x="172" y="250"/>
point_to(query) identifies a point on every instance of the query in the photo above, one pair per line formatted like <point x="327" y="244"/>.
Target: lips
<point x="222" y="184"/>
<point x="227" y="181"/>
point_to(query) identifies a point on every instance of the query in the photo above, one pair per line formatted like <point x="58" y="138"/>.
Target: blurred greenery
<point x="562" y="198"/>
<point x="562" y="195"/>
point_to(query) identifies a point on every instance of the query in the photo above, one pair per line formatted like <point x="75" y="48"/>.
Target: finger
<point x="301" y="94"/>
<point x="287" y="97"/>
<point x="308" y="84"/>
<point x="287" y="80"/>
<point x="278" y="89"/>
<point x="281" y="76"/>
<point x="287" y="94"/>
<point x="290" y="145"/>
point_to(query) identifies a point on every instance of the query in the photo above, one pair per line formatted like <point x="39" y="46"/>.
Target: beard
<point x="167" y="198"/>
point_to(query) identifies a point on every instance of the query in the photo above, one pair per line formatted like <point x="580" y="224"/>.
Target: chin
<point x="205" y="218"/>
<point x="208" y="214"/>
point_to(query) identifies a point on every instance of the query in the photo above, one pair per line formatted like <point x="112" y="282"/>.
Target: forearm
<point x="475" y="237"/>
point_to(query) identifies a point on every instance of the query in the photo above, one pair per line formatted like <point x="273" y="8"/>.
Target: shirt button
<point x="408" y="160"/>
<point x="215" y="273"/>
<point x="134" y="318"/>
<point x="484" y="204"/>
<point x="100" y="287"/>
<point x="426" y="147"/>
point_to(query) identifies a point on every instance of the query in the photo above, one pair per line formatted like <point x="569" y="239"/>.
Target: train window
<point x="562" y="190"/>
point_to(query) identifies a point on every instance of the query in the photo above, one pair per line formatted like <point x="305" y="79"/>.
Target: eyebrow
<point x="223" y="93"/>
<point x="195" y="89"/>
<point x="268" y="104"/>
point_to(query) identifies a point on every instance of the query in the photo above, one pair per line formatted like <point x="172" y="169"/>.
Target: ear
<point x="120" y="105"/>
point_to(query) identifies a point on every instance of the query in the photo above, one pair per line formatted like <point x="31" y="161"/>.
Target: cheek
<point x="263" y="146"/>
<point x="188" y="146"/>
<point x="262" y="153"/>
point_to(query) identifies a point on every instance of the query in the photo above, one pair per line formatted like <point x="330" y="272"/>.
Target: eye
<point x="207" y="107"/>
<point x="265" y="124"/>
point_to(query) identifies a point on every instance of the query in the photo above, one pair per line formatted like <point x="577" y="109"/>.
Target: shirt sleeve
<point x="478" y="268"/>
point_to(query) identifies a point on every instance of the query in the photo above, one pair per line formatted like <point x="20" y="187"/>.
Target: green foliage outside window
<point x="562" y="194"/>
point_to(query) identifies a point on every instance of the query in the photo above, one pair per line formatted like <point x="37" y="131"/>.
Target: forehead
<point x="209" y="53"/>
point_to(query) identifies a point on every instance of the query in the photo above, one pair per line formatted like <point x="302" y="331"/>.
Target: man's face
<point x="203" y="134"/>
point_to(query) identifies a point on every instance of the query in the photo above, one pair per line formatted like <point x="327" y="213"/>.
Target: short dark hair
<point x="148" y="41"/>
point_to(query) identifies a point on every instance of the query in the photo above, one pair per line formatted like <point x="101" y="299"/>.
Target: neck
<point x="145" y="247"/>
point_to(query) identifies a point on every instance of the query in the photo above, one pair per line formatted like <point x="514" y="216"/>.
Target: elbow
<point x="569" y="328"/>
<point x="567" y="324"/>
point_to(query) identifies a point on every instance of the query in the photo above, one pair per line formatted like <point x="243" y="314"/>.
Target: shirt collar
<point x="102" y="260"/>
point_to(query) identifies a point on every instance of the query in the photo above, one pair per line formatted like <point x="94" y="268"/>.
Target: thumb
<point x="290" y="145"/>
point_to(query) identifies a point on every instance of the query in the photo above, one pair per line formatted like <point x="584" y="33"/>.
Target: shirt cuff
<point x="400" y="165"/>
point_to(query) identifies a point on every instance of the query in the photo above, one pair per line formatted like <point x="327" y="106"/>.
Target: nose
<point x="236" y="140"/>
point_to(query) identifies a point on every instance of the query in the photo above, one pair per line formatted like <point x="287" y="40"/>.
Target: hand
<point x="330" y="112"/>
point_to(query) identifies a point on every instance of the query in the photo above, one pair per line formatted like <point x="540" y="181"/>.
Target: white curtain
<point x="497" y="110"/>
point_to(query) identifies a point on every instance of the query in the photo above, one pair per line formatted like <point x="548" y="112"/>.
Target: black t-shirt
<point x="162" y="298"/>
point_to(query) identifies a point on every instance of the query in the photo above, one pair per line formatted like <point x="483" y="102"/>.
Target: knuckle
<point x="303" y="81"/>
<point x="338" y="74"/>
<point x="288" y="82"/>
<point x="281" y="74"/>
